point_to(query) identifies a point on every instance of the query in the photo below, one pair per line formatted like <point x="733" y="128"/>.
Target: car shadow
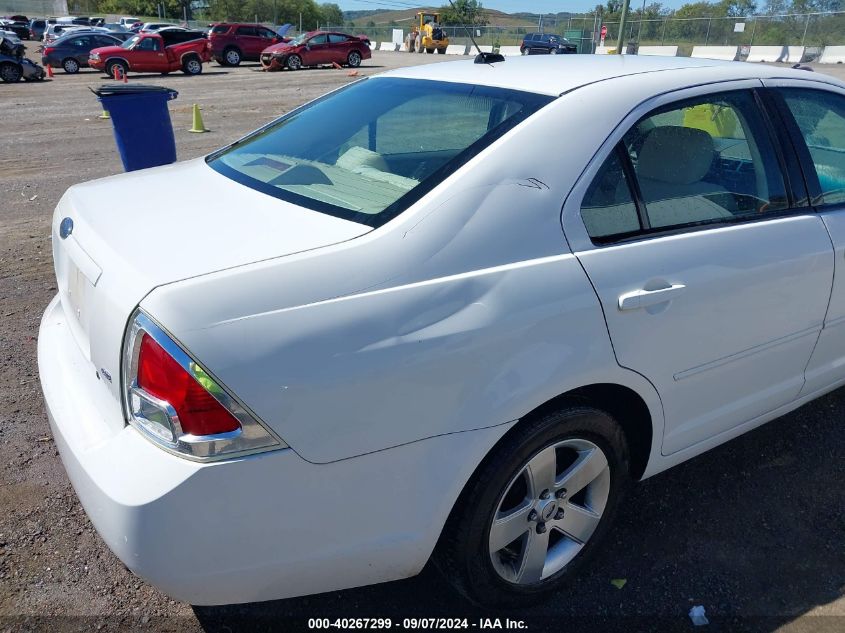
<point x="318" y="68"/>
<point x="175" y="74"/>
<point x="752" y="531"/>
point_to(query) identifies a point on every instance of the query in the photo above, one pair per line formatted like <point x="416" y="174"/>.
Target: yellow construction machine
<point x="428" y="34"/>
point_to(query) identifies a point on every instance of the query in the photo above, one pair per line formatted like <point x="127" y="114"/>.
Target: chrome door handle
<point x="644" y="298"/>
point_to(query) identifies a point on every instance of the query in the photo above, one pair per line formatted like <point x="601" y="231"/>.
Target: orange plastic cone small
<point x="116" y="72"/>
<point x="336" y="65"/>
<point x="49" y="71"/>
<point x="125" y="78"/>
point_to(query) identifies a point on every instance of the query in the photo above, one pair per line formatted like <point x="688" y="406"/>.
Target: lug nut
<point x="532" y="516"/>
<point x="559" y="514"/>
<point x="541" y="528"/>
<point x="561" y="494"/>
<point x="545" y="494"/>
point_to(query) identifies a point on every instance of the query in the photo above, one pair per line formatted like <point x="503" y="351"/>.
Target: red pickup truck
<point x="162" y="52"/>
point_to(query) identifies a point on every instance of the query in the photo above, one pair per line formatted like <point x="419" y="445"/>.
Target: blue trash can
<point x="141" y="123"/>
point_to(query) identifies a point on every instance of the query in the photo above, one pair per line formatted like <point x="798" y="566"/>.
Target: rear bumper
<point x="257" y="528"/>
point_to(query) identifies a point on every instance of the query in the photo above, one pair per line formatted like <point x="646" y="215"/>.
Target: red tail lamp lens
<point x="162" y="377"/>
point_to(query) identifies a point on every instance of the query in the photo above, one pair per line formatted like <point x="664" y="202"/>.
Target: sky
<point x="509" y="6"/>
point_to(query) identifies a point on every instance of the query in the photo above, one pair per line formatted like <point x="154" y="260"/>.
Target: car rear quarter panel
<point x="465" y="312"/>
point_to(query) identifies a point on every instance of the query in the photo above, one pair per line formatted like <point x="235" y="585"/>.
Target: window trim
<point x="650" y="107"/>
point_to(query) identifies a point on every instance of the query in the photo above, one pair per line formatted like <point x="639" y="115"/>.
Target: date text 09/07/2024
<point x="415" y="623"/>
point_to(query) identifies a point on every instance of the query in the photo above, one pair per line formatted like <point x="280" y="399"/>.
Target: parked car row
<point x="169" y="48"/>
<point x="162" y="47"/>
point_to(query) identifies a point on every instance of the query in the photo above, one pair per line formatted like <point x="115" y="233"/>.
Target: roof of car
<point x="555" y="75"/>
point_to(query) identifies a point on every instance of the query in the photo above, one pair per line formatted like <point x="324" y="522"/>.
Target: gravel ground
<point x="752" y="530"/>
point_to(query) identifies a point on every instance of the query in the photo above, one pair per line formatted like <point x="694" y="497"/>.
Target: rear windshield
<point x="367" y="152"/>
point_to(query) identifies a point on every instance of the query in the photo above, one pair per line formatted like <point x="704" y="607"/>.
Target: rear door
<point x="248" y="41"/>
<point x="713" y="273"/>
<point x="814" y="114"/>
<point x="338" y="48"/>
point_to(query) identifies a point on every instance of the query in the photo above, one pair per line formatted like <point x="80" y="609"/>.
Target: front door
<point x="714" y="285"/>
<point x="148" y="55"/>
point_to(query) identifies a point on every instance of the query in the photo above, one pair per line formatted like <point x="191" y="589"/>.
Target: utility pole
<point x="625" y="4"/>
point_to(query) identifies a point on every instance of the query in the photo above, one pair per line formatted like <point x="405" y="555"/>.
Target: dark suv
<point x="546" y="43"/>
<point x="233" y="43"/>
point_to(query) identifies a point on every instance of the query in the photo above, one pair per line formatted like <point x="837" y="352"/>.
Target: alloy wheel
<point x="549" y="511"/>
<point x="354" y="59"/>
<point x="233" y="57"/>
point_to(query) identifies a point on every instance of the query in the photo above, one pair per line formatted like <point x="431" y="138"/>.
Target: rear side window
<point x="701" y="161"/>
<point x="247" y="30"/>
<point x="367" y="152"/>
<point x="608" y="208"/>
<point x="821" y="119"/>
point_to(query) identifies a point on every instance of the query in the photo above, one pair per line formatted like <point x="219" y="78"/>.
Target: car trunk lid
<point x="116" y="239"/>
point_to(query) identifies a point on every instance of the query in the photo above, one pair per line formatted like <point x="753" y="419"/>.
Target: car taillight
<point x="179" y="405"/>
<point x="48" y="50"/>
<point x="161" y="376"/>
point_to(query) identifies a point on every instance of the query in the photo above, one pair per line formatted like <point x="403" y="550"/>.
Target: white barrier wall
<point x="790" y="54"/>
<point x="602" y="50"/>
<point x="388" y="46"/>
<point x="484" y="49"/>
<point x="456" y="49"/>
<point x="832" y="55"/>
<point x="728" y="53"/>
<point x="509" y="51"/>
<point x="661" y="51"/>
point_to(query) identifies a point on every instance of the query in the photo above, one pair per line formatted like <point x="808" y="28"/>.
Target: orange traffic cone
<point x="125" y="78"/>
<point x="336" y="65"/>
<point x="49" y="71"/>
<point x="116" y="72"/>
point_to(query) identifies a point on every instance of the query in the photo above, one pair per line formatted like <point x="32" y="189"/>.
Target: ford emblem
<point x="65" y="228"/>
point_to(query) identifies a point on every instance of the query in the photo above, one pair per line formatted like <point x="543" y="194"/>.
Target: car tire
<point x="110" y="66"/>
<point x="353" y="59"/>
<point x="574" y="445"/>
<point x="232" y="57"/>
<point x="430" y="51"/>
<point x="71" y="66"/>
<point x="10" y="73"/>
<point x="192" y="65"/>
<point x="294" y="62"/>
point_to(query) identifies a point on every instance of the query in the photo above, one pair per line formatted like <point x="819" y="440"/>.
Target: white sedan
<point x="399" y="323"/>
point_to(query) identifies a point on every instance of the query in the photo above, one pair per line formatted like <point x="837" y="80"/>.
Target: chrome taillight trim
<point x="254" y="436"/>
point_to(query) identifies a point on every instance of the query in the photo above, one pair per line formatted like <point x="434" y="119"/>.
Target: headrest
<point x="675" y="154"/>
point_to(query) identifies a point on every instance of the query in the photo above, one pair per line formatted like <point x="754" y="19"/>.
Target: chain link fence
<point x="812" y="30"/>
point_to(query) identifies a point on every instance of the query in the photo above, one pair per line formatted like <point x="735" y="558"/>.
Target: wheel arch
<point x="120" y="60"/>
<point x="632" y="405"/>
<point x="188" y="55"/>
